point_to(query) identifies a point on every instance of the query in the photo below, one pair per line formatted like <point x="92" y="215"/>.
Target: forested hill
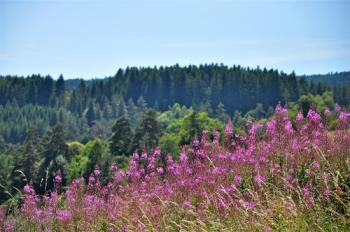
<point x="338" y="78"/>
<point x="236" y="87"/>
<point x="43" y="102"/>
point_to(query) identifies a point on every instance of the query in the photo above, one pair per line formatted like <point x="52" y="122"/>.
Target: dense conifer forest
<point x="42" y="102"/>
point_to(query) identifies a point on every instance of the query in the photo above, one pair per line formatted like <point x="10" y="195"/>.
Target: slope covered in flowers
<point x="281" y="176"/>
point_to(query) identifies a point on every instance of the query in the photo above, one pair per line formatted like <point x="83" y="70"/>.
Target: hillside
<point x="335" y="79"/>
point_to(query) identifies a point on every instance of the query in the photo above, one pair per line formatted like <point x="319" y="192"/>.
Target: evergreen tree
<point x="90" y="114"/>
<point x="191" y="128"/>
<point x="24" y="166"/>
<point x="147" y="134"/>
<point x="122" y="137"/>
<point x="32" y="94"/>
<point x="60" y="86"/>
<point x="221" y="113"/>
<point x="55" y="155"/>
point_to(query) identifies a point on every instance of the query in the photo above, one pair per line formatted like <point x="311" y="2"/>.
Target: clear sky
<point x="94" y="38"/>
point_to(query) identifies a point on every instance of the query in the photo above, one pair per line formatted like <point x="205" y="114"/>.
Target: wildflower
<point x="135" y="155"/>
<point x="216" y="134"/>
<point x="9" y="225"/>
<point x="228" y="128"/>
<point x="195" y="141"/>
<point x="327" y="112"/>
<point x="299" y="117"/>
<point x="343" y="117"/>
<point x="157" y="152"/>
<point x="305" y="191"/>
<point x="271" y="127"/>
<point x="249" y="205"/>
<point x="160" y="170"/>
<point x="337" y="108"/>
<point x="279" y="109"/>
<point x="314" y="116"/>
<point x="327" y="192"/>
<point x="288" y="127"/>
<point x="28" y="189"/>
<point x="114" y="167"/>
<point x="187" y="204"/>
<point x="259" y="180"/>
<point x="315" y="165"/>
<point x="97" y="171"/>
<point x="144" y="155"/>
<point x="237" y="180"/>
<point x="63" y="215"/>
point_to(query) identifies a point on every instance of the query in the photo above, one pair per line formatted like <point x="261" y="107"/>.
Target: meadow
<point x="281" y="176"/>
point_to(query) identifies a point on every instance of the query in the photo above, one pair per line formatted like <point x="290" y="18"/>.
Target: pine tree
<point x="122" y="137"/>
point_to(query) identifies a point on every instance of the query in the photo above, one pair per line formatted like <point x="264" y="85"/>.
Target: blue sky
<point x="94" y="38"/>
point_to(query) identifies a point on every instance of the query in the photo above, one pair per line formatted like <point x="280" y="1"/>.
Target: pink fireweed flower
<point x="144" y="155"/>
<point x="58" y="177"/>
<point x="216" y="134"/>
<point x="327" y="112"/>
<point x="259" y="180"/>
<point x="97" y="171"/>
<point x="288" y="127"/>
<point x="157" y="153"/>
<point x="63" y="215"/>
<point x="305" y="191"/>
<point x="299" y="117"/>
<point x="135" y="155"/>
<point x="160" y="170"/>
<point x="9" y="225"/>
<point x="114" y="167"/>
<point x="315" y="165"/>
<point x="195" y="141"/>
<point x="237" y="180"/>
<point x="249" y="205"/>
<point x="343" y="117"/>
<point x="327" y="192"/>
<point x="271" y="127"/>
<point x="280" y="110"/>
<point x="337" y="108"/>
<point x="313" y="116"/>
<point x="254" y="128"/>
<point x="187" y="204"/>
<point x="28" y="190"/>
<point x="228" y="128"/>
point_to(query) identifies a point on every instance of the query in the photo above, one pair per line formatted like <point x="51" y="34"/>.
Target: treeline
<point x="337" y="78"/>
<point x="88" y="108"/>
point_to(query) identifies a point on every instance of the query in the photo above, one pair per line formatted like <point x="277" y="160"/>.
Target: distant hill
<point x="335" y="79"/>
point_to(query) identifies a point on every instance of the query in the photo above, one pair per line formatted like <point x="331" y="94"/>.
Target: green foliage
<point x="122" y="137"/>
<point x="194" y="123"/>
<point x="6" y="166"/>
<point x="169" y="144"/>
<point x="55" y="157"/>
<point x="96" y="152"/>
<point x="147" y="132"/>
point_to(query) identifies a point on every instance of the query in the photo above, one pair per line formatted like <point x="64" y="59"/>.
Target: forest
<point x="54" y="131"/>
